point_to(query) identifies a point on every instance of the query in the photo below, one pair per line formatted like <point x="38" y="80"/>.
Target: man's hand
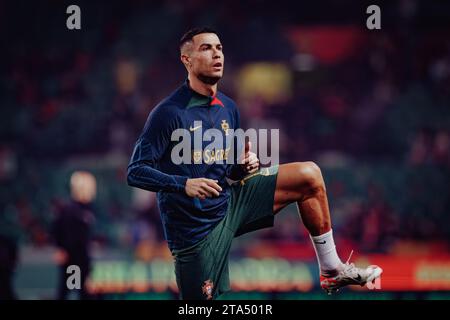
<point x="250" y="161"/>
<point x="202" y="188"/>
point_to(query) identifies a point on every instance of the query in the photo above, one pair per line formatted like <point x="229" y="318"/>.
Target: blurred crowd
<point x="375" y="115"/>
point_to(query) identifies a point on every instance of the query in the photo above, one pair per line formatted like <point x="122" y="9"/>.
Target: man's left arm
<point x="248" y="162"/>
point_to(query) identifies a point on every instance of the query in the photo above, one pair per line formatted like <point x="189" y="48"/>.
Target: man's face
<point x="205" y="57"/>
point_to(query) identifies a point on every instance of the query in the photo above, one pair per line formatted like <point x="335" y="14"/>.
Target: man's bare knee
<point x="310" y="177"/>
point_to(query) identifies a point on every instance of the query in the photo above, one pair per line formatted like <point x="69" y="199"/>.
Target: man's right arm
<point x="149" y="148"/>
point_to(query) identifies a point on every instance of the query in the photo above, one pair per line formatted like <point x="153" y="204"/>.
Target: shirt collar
<point x="198" y="99"/>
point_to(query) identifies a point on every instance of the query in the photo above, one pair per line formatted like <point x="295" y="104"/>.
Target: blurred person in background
<point x="71" y="231"/>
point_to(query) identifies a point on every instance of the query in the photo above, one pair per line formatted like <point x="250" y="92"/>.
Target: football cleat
<point x="349" y="275"/>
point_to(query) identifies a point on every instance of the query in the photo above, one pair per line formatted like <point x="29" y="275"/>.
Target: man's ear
<point x="186" y="60"/>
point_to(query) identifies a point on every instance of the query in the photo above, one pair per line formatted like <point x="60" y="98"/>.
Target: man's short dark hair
<point x="193" y="32"/>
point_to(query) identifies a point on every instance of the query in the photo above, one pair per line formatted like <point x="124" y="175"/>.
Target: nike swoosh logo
<point x="320" y="242"/>
<point x="358" y="278"/>
<point x="195" y="128"/>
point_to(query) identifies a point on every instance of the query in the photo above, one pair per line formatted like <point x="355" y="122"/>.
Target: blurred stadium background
<point x="372" y="108"/>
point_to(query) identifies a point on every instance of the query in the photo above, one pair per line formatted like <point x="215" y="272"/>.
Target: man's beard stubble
<point x="208" y="79"/>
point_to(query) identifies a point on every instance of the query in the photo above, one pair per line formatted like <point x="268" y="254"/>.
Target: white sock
<point x="327" y="256"/>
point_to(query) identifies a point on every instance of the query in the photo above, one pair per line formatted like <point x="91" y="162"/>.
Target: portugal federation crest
<point x="225" y="126"/>
<point x="207" y="289"/>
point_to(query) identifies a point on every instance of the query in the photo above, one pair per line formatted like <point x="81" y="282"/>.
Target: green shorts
<point x="202" y="269"/>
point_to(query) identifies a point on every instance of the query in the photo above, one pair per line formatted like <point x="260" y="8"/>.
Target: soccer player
<point x="206" y="203"/>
